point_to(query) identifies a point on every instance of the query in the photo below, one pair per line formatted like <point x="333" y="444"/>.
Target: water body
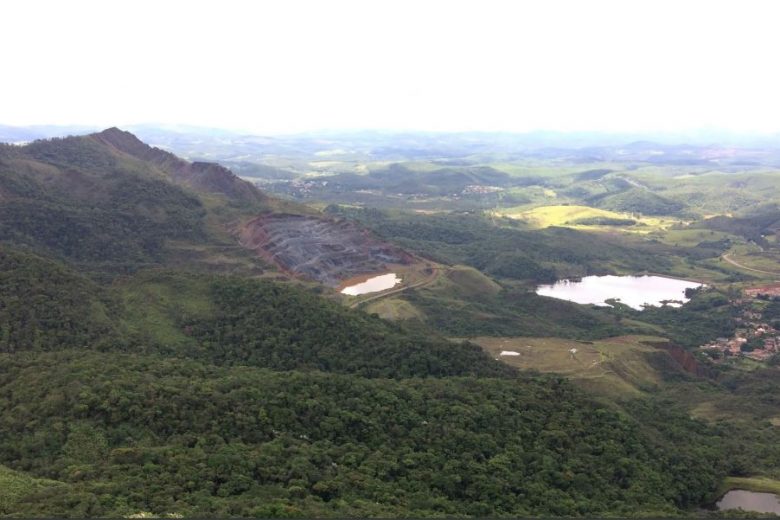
<point x="749" y="501"/>
<point x="373" y="284"/>
<point x="634" y="291"/>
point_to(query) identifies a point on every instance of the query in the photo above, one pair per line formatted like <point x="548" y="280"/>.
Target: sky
<point x="292" y="65"/>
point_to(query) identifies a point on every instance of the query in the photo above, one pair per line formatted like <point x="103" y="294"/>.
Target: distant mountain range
<point x="225" y="145"/>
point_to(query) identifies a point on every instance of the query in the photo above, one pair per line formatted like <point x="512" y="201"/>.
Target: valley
<point x="375" y="342"/>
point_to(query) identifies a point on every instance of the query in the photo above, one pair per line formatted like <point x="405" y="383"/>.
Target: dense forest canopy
<point x="125" y="433"/>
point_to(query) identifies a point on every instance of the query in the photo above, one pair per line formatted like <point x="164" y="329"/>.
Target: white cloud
<point x="441" y="65"/>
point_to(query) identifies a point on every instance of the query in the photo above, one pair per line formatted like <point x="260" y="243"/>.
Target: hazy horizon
<point x="533" y="138"/>
<point x="302" y="66"/>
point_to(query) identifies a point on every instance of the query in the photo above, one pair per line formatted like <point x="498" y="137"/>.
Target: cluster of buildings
<point x="766" y="291"/>
<point x="305" y="186"/>
<point x="753" y="339"/>
<point x="477" y="189"/>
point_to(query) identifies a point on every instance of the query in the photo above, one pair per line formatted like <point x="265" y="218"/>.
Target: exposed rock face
<point x="688" y="361"/>
<point x="685" y="359"/>
<point x="200" y="176"/>
<point x="327" y="251"/>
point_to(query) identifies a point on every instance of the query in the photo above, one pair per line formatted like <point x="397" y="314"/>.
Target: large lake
<point x="633" y="291"/>
<point x="749" y="501"/>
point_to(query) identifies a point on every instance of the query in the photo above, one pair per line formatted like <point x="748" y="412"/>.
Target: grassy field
<point x="618" y="367"/>
<point x="709" y="271"/>
<point x="690" y="237"/>
<point x="568" y="216"/>
<point x="459" y="282"/>
<point x="471" y="282"/>
<point x="758" y="484"/>
<point x="394" y="309"/>
<point x="751" y="258"/>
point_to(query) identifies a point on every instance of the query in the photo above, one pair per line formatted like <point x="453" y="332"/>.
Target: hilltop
<point x="200" y="176"/>
<point x="110" y="202"/>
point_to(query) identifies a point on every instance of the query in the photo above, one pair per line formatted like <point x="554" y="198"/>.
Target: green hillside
<point x="97" y="212"/>
<point x="222" y="320"/>
<point x="130" y="433"/>
<point x="46" y="306"/>
<point x="638" y="200"/>
<point x="16" y="487"/>
<point x="152" y="364"/>
<point x="92" y="201"/>
<point x="504" y="248"/>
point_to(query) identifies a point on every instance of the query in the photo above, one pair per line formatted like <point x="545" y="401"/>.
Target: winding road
<point x="728" y="259"/>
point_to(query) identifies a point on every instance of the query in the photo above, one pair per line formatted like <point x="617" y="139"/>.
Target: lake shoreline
<point x="757" y="485"/>
<point x="635" y="291"/>
<point x="659" y="275"/>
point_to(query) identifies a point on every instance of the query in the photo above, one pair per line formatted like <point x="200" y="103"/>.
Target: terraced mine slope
<point x="328" y="251"/>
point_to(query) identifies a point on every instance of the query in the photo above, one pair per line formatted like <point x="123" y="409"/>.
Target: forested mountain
<point x="150" y="363"/>
<point x="201" y="176"/>
<point x="127" y="433"/>
<point x="75" y="199"/>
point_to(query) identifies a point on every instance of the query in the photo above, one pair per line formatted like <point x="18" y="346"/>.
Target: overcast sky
<point x="289" y="65"/>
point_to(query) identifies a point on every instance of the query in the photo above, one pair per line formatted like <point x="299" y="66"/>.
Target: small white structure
<point x="509" y="353"/>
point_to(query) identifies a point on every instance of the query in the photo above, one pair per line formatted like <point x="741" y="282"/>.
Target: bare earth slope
<point x="327" y="251"/>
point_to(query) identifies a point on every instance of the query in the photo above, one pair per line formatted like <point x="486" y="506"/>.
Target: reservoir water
<point x="373" y="284"/>
<point x="634" y="291"/>
<point x="749" y="501"/>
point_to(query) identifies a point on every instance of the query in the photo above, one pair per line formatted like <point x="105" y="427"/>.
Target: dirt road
<point x="391" y="292"/>
<point x="737" y="264"/>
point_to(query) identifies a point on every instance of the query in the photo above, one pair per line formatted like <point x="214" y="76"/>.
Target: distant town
<point x="755" y="338"/>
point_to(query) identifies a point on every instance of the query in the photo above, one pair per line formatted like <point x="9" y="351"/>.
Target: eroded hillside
<point x="328" y="251"/>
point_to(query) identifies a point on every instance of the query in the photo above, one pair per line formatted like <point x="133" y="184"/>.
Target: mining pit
<point x="325" y="250"/>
